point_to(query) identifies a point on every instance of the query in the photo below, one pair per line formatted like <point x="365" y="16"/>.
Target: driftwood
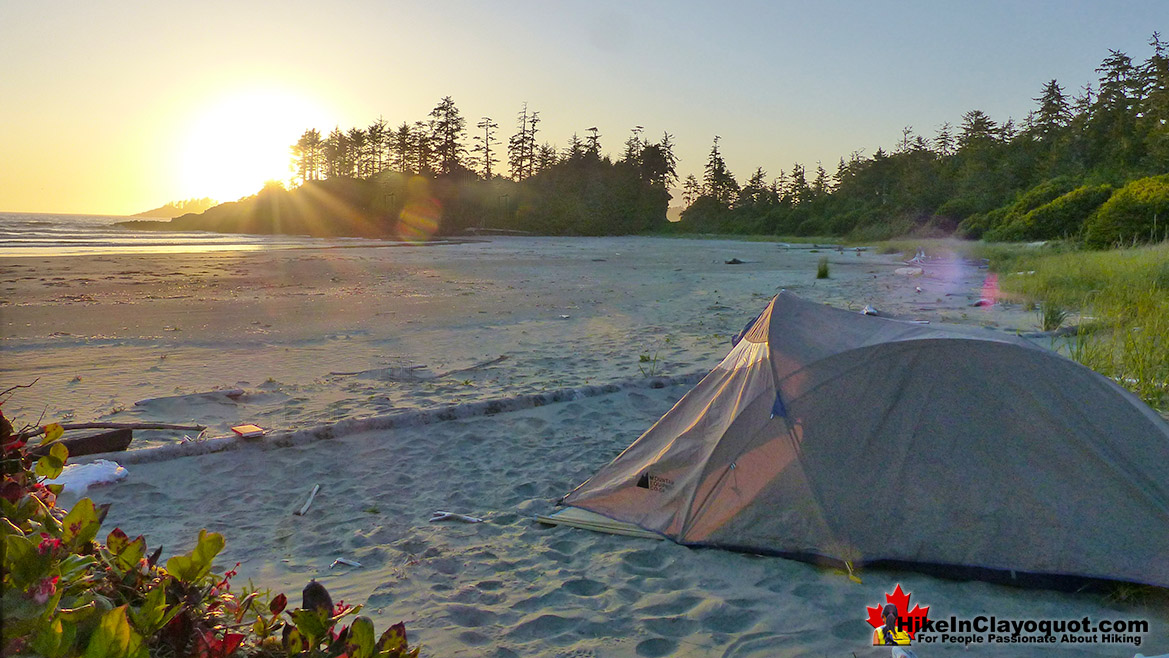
<point x="229" y="393"/>
<point x="91" y="444"/>
<point x="410" y="373"/>
<point x="37" y="431"/>
<point x="307" y="503"/>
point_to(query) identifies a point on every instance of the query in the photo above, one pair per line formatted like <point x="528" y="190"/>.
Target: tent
<point x="829" y="435"/>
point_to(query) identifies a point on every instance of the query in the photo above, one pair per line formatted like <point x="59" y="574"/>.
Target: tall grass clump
<point x="822" y="268"/>
<point x="1123" y="302"/>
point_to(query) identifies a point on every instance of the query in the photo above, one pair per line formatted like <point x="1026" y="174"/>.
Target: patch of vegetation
<point x="822" y="268"/>
<point x="66" y="594"/>
<point x="1125" y="294"/>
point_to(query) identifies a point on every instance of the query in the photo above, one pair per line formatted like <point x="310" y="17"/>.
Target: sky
<point x="118" y="107"/>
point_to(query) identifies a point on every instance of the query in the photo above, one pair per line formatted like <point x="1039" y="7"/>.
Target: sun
<point x="242" y="140"/>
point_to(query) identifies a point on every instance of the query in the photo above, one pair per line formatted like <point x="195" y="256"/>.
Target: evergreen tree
<point x="593" y="142"/>
<point x="521" y="147"/>
<point x="447" y="130"/>
<point x="545" y="157"/>
<point x="377" y="141"/>
<point x="977" y="130"/>
<point x="422" y="148"/>
<point x="633" y="148"/>
<point x="307" y="156"/>
<point x="575" y="149"/>
<point x="358" y="158"/>
<point x="945" y="140"/>
<point x="718" y="182"/>
<point x="691" y="190"/>
<point x="401" y="149"/>
<point x="338" y="161"/>
<point x="1054" y="111"/>
<point x="657" y="164"/>
<point x="484" y="143"/>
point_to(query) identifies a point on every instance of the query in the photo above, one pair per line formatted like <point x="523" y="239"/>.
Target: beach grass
<point x="1118" y="299"/>
<point x="1122" y="299"/>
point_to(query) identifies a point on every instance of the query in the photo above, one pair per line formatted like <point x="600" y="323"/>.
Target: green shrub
<point x="1065" y="215"/>
<point x="66" y="594"/>
<point x="822" y="268"/>
<point x="1041" y="194"/>
<point x="976" y="226"/>
<point x="1138" y="212"/>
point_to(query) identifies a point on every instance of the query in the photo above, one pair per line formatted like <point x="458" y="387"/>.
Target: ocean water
<point x="34" y="234"/>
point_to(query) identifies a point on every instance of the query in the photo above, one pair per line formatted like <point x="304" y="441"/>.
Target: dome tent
<point x="832" y="435"/>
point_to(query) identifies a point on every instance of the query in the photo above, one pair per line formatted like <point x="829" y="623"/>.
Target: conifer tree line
<point x="1090" y="164"/>
<point x="438" y="147"/>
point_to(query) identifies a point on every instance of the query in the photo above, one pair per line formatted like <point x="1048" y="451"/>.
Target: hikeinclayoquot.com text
<point x="988" y="629"/>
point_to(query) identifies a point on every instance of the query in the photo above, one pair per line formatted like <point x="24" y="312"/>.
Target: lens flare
<point x="421" y="215"/>
<point x="990" y="288"/>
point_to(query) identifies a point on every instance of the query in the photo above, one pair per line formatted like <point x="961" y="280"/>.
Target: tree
<point x="447" y="131"/>
<point x="545" y="157"/>
<point x="633" y="147"/>
<point x="593" y="142"/>
<point x="307" y="156"/>
<point x="977" y="130"/>
<point x="401" y="149"/>
<point x="357" y="153"/>
<point x="521" y="147"/>
<point x="820" y="185"/>
<point x="718" y="182"/>
<point x="575" y="149"/>
<point x="376" y="141"/>
<point x="1054" y="111"/>
<point x="337" y="154"/>
<point x="422" y="148"/>
<point x="945" y="140"/>
<point x="754" y="191"/>
<point x="483" y="145"/>
<point x="691" y="190"/>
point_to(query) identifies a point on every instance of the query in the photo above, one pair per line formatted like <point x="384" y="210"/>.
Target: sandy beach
<point x="132" y="338"/>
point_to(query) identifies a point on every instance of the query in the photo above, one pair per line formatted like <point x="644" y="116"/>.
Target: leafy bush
<point x="1138" y="212"/>
<point x="1063" y="216"/>
<point x="66" y="594"/>
<point x="976" y="226"/>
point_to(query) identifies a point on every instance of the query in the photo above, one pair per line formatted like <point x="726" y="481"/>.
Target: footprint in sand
<point x="470" y="617"/>
<point x="671" y="626"/>
<point x="724" y="619"/>
<point x="541" y="628"/>
<point x="473" y="638"/>
<point x="656" y="647"/>
<point x="675" y="605"/>
<point x="584" y="587"/>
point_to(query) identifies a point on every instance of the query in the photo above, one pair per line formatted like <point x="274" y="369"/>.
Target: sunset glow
<point x="239" y="141"/>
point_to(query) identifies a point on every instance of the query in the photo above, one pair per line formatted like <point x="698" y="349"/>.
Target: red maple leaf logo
<point x="908" y="620"/>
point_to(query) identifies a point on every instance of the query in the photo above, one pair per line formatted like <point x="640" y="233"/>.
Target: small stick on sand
<point x="308" y="502"/>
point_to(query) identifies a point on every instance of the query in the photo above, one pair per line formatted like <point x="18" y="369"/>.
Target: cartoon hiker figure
<point x="890" y="634"/>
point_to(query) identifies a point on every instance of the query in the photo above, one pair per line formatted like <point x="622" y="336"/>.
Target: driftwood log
<point x="37" y="431"/>
<point x="91" y="444"/>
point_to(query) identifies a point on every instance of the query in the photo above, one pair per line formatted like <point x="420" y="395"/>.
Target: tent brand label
<point x="915" y="626"/>
<point x="654" y="482"/>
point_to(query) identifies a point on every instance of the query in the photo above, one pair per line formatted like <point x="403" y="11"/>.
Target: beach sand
<point x="567" y="313"/>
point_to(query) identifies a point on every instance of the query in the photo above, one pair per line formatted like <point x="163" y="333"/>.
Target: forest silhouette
<point x="1091" y="167"/>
